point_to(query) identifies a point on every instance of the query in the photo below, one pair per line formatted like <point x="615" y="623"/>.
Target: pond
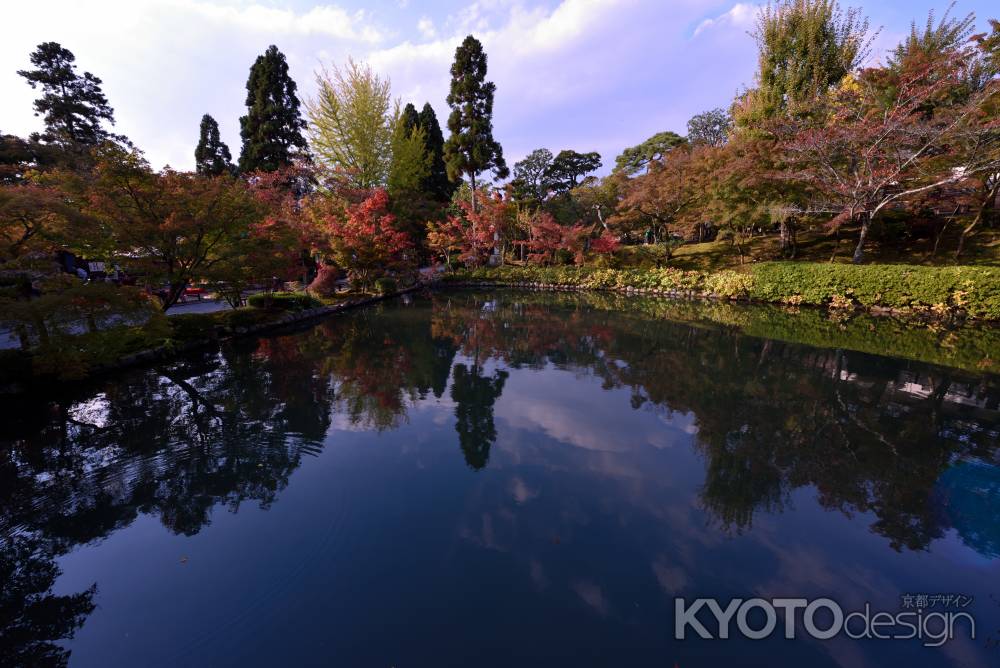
<point x="509" y="478"/>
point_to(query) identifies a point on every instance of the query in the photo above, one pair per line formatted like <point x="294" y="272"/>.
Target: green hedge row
<point x="284" y="301"/>
<point x="975" y="290"/>
<point x="941" y="290"/>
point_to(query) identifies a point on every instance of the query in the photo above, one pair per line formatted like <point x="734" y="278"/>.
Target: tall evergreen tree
<point x="471" y="148"/>
<point x="73" y="106"/>
<point x="212" y="156"/>
<point x="272" y="129"/>
<point x="410" y="118"/>
<point x="438" y="182"/>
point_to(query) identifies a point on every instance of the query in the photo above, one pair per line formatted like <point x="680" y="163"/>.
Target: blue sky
<point x="582" y="74"/>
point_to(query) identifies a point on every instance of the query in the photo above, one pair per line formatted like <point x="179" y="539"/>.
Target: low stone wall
<point x="674" y="294"/>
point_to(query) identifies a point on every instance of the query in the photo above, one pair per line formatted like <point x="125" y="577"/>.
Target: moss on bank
<point x="969" y="291"/>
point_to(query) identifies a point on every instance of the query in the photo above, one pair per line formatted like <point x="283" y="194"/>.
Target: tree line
<point x="352" y="181"/>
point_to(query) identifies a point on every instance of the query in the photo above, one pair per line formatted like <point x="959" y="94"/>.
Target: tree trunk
<point x="859" y="250"/>
<point x="472" y="177"/>
<point x="940" y="233"/>
<point x="787" y="230"/>
<point x="985" y="205"/>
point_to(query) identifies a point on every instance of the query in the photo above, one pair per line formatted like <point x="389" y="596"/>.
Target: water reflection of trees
<point x="228" y="427"/>
<point x="870" y="434"/>
<point x="220" y="428"/>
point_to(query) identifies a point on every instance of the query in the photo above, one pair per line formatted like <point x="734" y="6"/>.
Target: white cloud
<point x="584" y="74"/>
<point x="741" y="15"/>
<point x="329" y="20"/>
<point x="426" y="28"/>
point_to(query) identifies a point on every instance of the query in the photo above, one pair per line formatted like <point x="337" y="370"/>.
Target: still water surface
<point x="495" y="479"/>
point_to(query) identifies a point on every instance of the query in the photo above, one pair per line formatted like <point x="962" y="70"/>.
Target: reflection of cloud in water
<point x="537" y="572"/>
<point x="584" y="414"/>
<point x="592" y="595"/>
<point x="671" y="578"/>
<point x="521" y="492"/>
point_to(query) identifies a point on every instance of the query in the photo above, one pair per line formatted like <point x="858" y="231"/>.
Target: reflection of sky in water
<point x="389" y="547"/>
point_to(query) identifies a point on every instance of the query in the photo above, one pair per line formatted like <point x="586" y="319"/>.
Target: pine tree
<point x="471" y="148"/>
<point x="438" y="182"/>
<point x="212" y="156"/>
<point x="74" y="107"/>
<point x="272" y="129"/>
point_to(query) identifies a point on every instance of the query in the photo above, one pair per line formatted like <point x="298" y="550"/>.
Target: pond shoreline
<point x="908" y="318"/>
<point x="218" y="334"/>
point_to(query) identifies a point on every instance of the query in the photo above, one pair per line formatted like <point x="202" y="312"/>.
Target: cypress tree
<point x="471" y="148"/>
<point x="73" y="106"/>
<point x="438" y="182"/>
<point x="409" y="117"/>
<point x="212" y="156"/>
<point x="272" y="129"/>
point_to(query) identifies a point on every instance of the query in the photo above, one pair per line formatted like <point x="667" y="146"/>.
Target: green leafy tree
<point x="272" y="129"/>
<point x="635" y="158"/>
<point x="530" y="180"/>
<point x="438" y="182"/>
<point x="73" y="106"/>
<point x="211" y="156"/>
<point x="170" y="227"/>
<point x="21" y="158"/>
<point x="710" y="127"/>
<point x="805" y="48"/>
<point x="471" y="148"/>
<point x="566" y="169"/>
<point x="352" y="119"/>
<point x="934" y="40"/>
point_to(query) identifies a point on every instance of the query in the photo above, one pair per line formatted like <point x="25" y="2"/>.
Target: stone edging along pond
<point x="922" y="293"/>
<point x="985" y="302"/>
<point x="289" y="318"/>
<point x="21" y="383"/>
<point x="697" y="296"/>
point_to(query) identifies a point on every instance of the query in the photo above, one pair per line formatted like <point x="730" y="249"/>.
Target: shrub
<point x="194" y="326"/>
<point x="284" y="301"/>
<point x="325" y="283"/>
<point x="938" y="290"/>
<point x="975" y="290"/>
<point x="246" y="317"/>
<point x="385" y="285"/>
<point x="731" y="284"/>
<point x="563" y="256"/>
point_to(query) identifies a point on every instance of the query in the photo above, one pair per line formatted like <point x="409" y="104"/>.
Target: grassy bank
<point x="972" y="292"/>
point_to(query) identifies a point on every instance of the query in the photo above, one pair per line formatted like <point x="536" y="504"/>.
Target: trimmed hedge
<point x="284" y="301"/>
<point x="974" y="291"/>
